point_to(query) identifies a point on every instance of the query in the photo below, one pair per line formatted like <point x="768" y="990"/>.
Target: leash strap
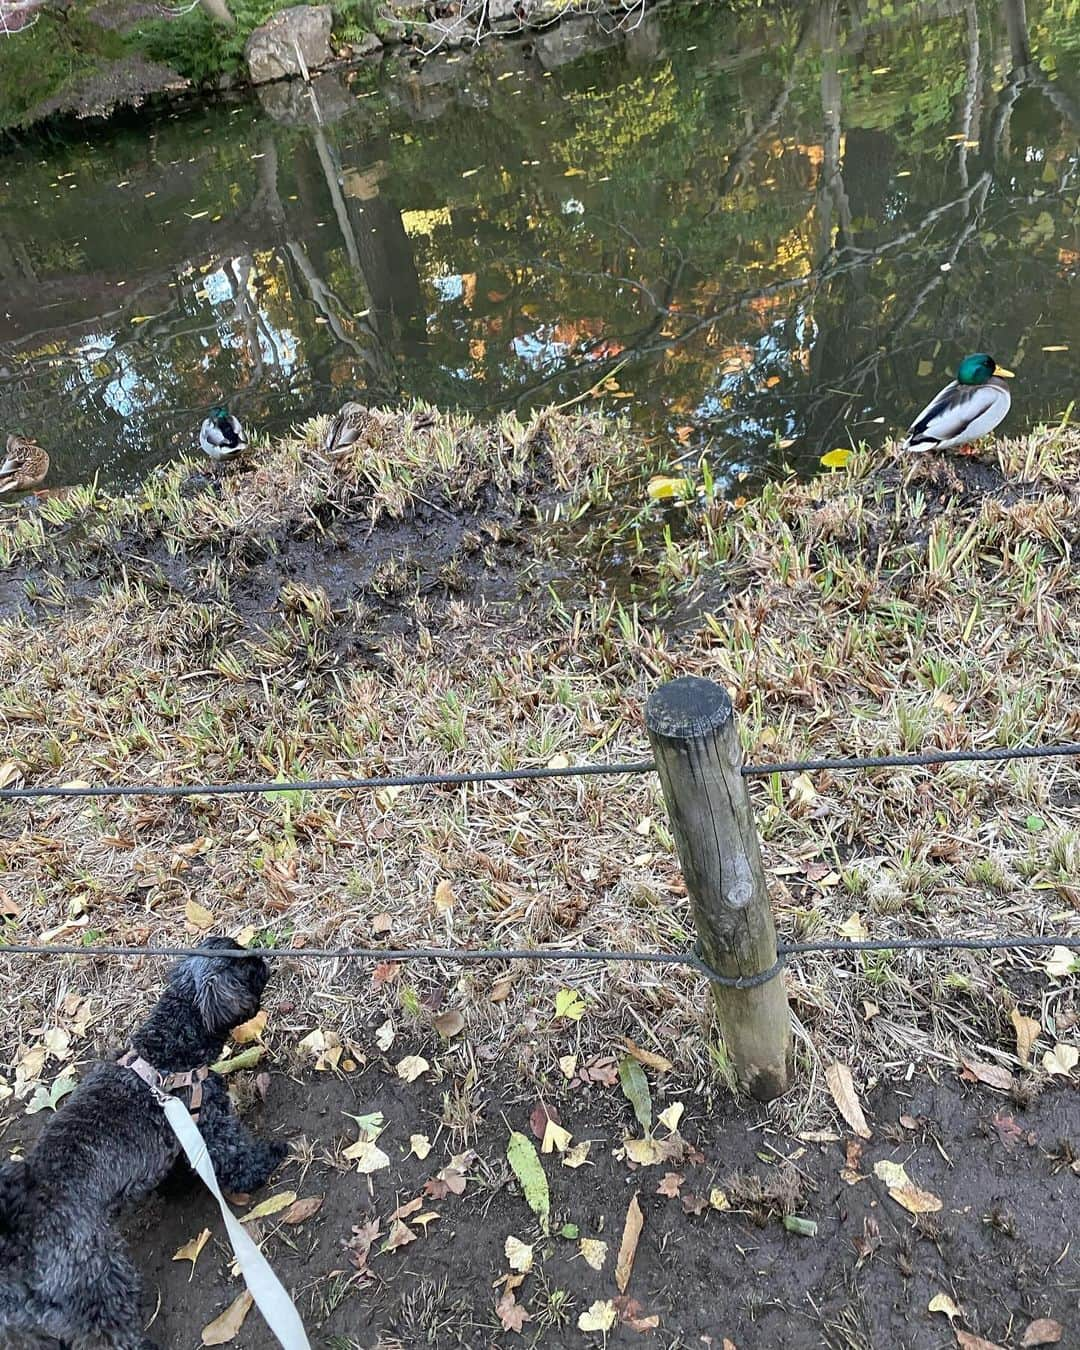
<point x="266" y="1289"/>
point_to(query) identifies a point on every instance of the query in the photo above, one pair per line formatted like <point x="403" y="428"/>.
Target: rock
<point x="292" y="42"/>
<point x="368" y="45"/>
<point x="327" y="99"/>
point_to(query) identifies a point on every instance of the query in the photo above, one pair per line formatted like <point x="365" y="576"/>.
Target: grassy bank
<point x="457" y="595"/>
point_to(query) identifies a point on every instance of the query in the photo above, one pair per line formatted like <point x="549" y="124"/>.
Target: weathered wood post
<point x="691" y="725"/>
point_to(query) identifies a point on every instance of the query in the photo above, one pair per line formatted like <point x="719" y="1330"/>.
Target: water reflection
<point x="782" y="230"/>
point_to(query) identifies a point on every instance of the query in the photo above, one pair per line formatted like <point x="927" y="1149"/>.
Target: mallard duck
<point x="351" y="424"/>
<point x="25" y="464"/>
<point x="970" y="407"/>
<point x="221" y="436"/>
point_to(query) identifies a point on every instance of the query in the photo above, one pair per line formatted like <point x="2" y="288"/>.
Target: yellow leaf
<point x="842" y="1087"/>
<point x="273" y="1204"/>
<point x="368" y="1157"/>
<point x="836" y="459"/>
<point x="925" y="368"/>
<point x="198" y="916"/>
<point x="190" y="1250"/>
<point x="1061" y="1060"/>
<point x="444" y="897"/>
<point x="1027" y="1033"/>
<point x="411" y="1067"/>
<point x="942" y="1303"/>
<point x="578" y="1155"/>
<point x="519" y="1255"/>
<point x="251" y="1030"/>
<point x="568" y="1065"/>
<point x="661" y="489"/>
<point x="593" y="1252"/>
<point x="854" y="929"/>
<point x="802" y="791"/>
<point x="555" y="1138"/>
<point x="223" y="1329"/>
<point x="718" y="1199"/>
<point x="645" y="1152"/>
<point x="419" y="1145"/>
<point x="1061" y="962"/>
<point x="904" y="1191"/>
<point x="574" y="173"/>
<point x="670" y="1116"/>
<point x="599" y="1317"/>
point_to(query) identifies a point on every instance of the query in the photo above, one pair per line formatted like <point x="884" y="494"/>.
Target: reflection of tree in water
<point x="507" y="238"/>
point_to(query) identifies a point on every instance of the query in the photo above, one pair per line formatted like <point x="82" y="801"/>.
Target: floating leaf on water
<point x="525" y="1162"/>
<point x="635" y="1087"/>
<point x="836" y="459"/>
<point x="662" y="489"/>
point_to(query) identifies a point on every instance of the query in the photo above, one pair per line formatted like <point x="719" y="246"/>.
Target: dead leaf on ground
<point x="866" y="1245"/>
<point x="647" y="1057"/>
<point x="190" y="1250"/>
<point x="942" y="1303"/>
<point x="368" y="1156"/>
<point x="200" y="918"/>
<point x="633" y="1314"/>
<point x="539" y="1117"/>
<point x="419" y="1145"/>
<point x="593" y="1252"/>
<point x="302" y="1210"/>
<point x="694" y="1204"/>
<point x="511" y="1313"/>
<point x="600" y="1316"/>
<point x="670" y="1184"/>
<point x="578" y="1155"/>
<point x="842" y="1087"/>
<point x="1061" y="1060"/>
<point x="444" y="897"/>
<point x="409" y="1207"/>
<point x="519" y="1255"/>
<point x="1009" y="1132"/>
<point x="225" y="1328"/>
<point x="273" y="1204"/>
<point x="359" y="1245"/>
<point x="628" y="1247"/>
<point x="966" y="1341"/>
<point x="412" y="1067"/>
<point x="1027" y="1033"/>
<point x="400" y="1235"/>
<point x="1043" y="1331"/>
<point x="993" y="1075"/>
<point x="904" y="1191"/>
<point x="251" y="1030"/>
<point x="555" y="1139"/>
<point x="449" y="1024"/>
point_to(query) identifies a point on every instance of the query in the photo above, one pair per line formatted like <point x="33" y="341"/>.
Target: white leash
<point x="266" y="1289"/>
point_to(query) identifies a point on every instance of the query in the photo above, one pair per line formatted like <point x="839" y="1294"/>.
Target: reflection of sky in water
<point x="540" y="350"/>
<point x="449" y="287"/>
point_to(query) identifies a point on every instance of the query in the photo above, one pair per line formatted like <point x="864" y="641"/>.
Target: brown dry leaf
<point x="251" y="1030"/>
<point x="539" y="1117"/>
<point x="1043" y="1331"/>
<point x="381" y="924"/>
<point x="694" y="1204"/>
<point x="903" y="1190"/>
<point x="225" y="1328"/>
<point x="842" y="1087"/>
<point x="966" y="1341"/>
<point x="444" y="897"/>
<point x="400" y="1235"/>
<point x="409" y="1207"/>
<point x="359" y="1245"/>
<point x="8" y="908"/>
<point x="630" y="1312"/>
<point x="302" y="1210"/>
<point x="10" y="772"/>
<point x="449" y="1024"/>
<point x="511" y="1313"/>
<point x="1027" y="1033"/>
<point x="647" y="1057"/>
<point x="500" y="990"/>
<point x="993" y="1075"/>
<point x="628" y="1247"/>
<point x="866" y="1245"/>
<point x="200" y="918"/>
<point x="190" y="1250"/>
<point x="670" y="1184"/>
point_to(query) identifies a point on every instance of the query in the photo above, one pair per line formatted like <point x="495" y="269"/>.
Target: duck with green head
<point x="221" y="436"/>
<point x="970" y="407"/>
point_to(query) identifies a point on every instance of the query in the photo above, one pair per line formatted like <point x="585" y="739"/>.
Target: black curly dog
<point x="64" y="1273"/>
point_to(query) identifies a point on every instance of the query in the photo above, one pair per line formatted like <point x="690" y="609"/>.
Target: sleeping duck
<point x="221" y="436"/>
<point x="970" y="407"/>
<point x="353" y="423"/>
<point x="25" y="464"/>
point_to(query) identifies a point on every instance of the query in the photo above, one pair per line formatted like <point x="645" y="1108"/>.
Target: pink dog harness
<point x="168" y="1083"/>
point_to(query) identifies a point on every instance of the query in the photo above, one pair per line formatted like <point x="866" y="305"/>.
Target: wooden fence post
<point x="691" y="725"/>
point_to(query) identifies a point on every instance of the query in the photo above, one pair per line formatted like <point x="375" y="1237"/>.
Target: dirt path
<point x="1001" y="1247"/>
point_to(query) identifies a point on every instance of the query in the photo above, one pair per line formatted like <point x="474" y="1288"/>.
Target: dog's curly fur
<point x="64" y="1273"/>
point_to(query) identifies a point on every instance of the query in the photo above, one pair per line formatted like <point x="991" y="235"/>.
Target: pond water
<point x="767" y="233"/>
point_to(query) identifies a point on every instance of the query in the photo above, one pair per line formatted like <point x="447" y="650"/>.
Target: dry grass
<point x="876" y="609"/>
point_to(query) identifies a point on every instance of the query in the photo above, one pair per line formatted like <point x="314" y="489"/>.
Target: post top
<point x="687" y="708"/>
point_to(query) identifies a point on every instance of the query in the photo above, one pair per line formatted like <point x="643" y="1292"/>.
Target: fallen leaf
<point x="854" y="929"/>
<point x="200" y="918"/>
<point x="903" y="1190"/>
<point x="444" y="897"/>
<point x="226" y="1327"/>
<point x="368" y="1157"/>
<point x="556" y="1139"/>
<point x="635" y="1087"/>
<point x="718" y="1200"/>
<point x="429" y="1216"/>
<point x="449" y="1024"/>
<point x="1043" y="1331"/>
<point x="525" y="1162"/>
<point x="500" y="990"/>
<point x="866" y="1245"/>
<point x="539" y="1117"/>
<point x="593" y="1252"/>
<point x="993" y="1075"/>
<point x="359" y="1245"/>
<point x="302" y="1210"/>
<point x="630" y="1313"/>
<point x="569" y="1003"/>
<point x="273" y="1204"/>
<point x="836" y="459"/>
<point x="670" y="1116"/>
<point x="966" y="1341"/>
<point x="661" y="489"/>
<point x="409" y="1207"/>
<point x="1061" y="1060"/>
<point x="1009" y="1132"/>
<point x="645" y="1152"/>
<point x="412" y="1067"/>
<point x="600" y="1316"/>
<point x="683" y="434"/>
<point x="381" y="924"/>
<point x="400" y="1235"/>
<point x="519" y="1255"/>
<point x="1061" y="963"/>
<point x="628" y="1246"/>
<point x="190" y="1251"/>
<point x="1027" y="1033"/>
<point x="578" y="1155"/>
<point x="693" y="1204"/>
<point x="419" y="1145"/>
<point x="646" y="1057"/>
<point x="251" y="1030"/>
<point x="8" y="908"/>
<point x="511" y="1313"/>
<point x="670" y="1184"/>
<point x="942" y="1303"/>
<point x="842" y="1087"/>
